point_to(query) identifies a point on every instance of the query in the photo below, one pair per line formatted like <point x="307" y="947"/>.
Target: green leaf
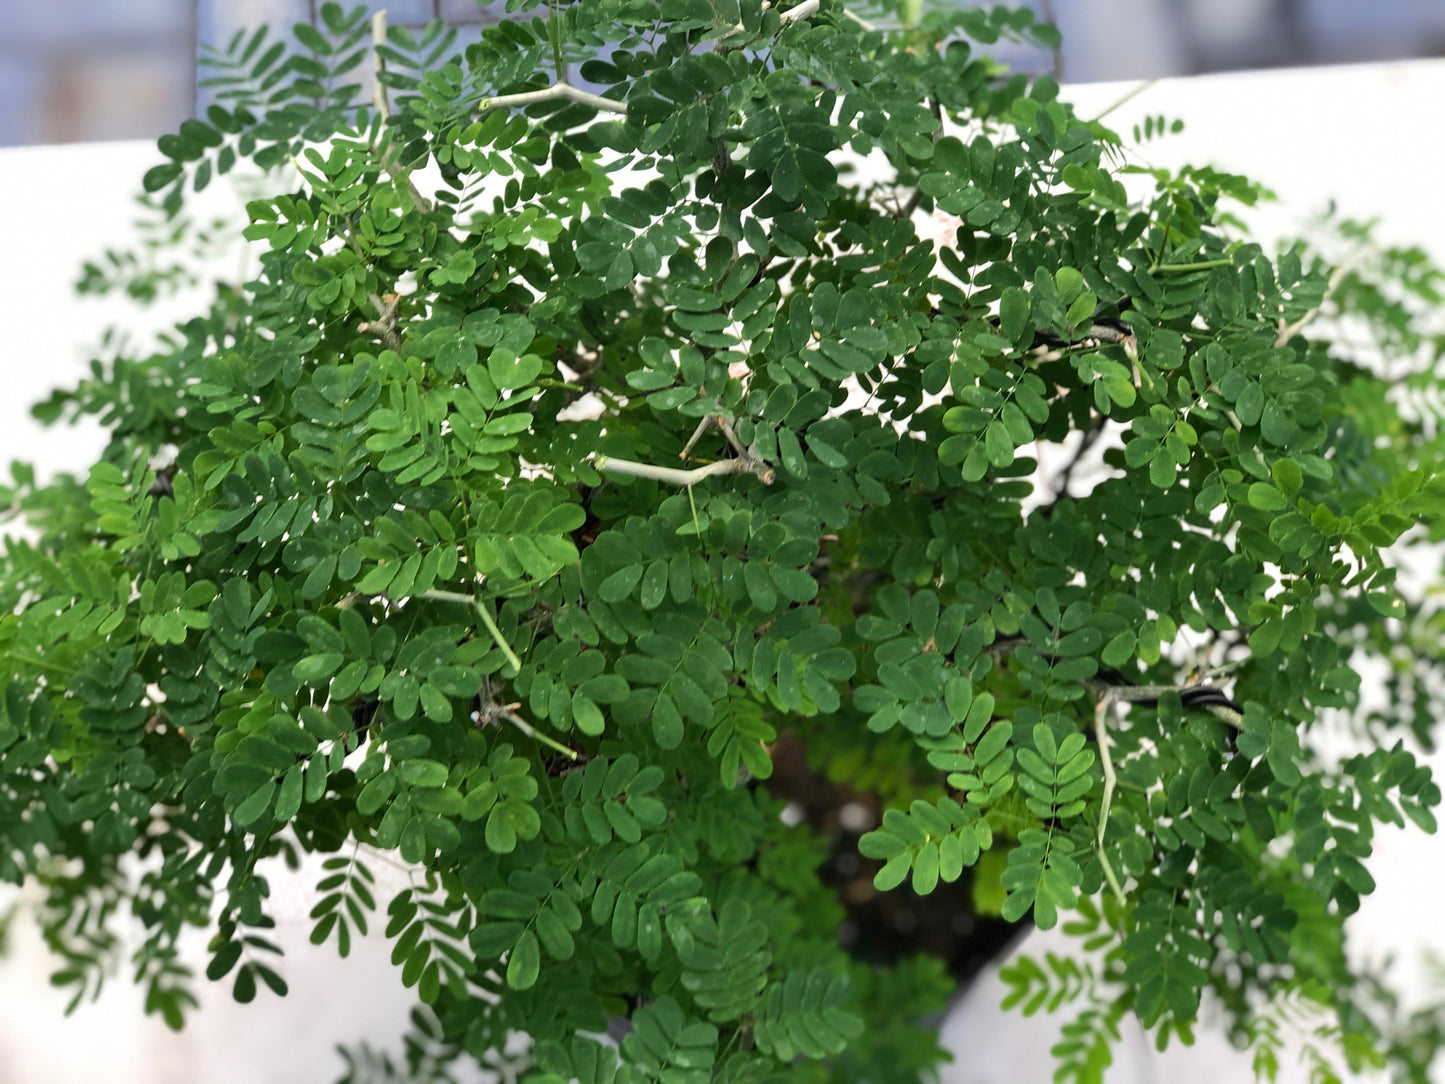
<point x="587" y="715"/>
<point x="997" y="445"/>
<point x="288" y="797"/>
<point x="157" y="177"/>
<point x="255" y="806"/>
<point x="1266" y="498"/>
<point x="1013" y="311"/>
<point x="1120" y="649"/>
<point x="525" y="962"/>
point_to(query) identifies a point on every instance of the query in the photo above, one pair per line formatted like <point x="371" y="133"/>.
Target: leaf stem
<point x="485" y="614"/>
<point x="535" y="734"/>
<point x="27" y="660"/>
<point x="1202" y="265"/>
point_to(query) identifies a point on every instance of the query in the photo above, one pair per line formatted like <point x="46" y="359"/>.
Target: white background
<point x="1365" y="136"/>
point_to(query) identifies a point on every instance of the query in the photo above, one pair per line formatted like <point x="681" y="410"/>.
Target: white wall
<point x="1364" y="136"/>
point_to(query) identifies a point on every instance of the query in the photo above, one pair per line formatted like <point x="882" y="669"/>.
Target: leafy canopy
<point x="576" y="453"/>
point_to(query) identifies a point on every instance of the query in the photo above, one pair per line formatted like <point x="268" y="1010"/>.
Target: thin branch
<point x="1091" y="437"/>
<point x="1102" y="710"/>
<point x="1222" y="670"/>
<point x="743" y="464"/>
<point x="44" y="664"/>
<point x="384" y="328"/>
<point x="1288" y="332"/>
<point x="799" y="11"/>
<point x="864" y="23"/>
<point x="491" y="712"/>
<point x="1110" y="333"/>
<point x="726" y="425"/>
<point x="1046" y="11"/>
<point x="702" y="427"/>
<point x="378" y="89"/>
<point x="383" y="108"/>
<point x="1211" y="699"/>
<point x="536" y="735"/>
<point x="436" y="594"/>
<point x="551" y="94"/>
<point x="906" y="211"/>
<point x="484" y="613"/>
<point x="1140" y="89"/>
<point x="788" y="18"/>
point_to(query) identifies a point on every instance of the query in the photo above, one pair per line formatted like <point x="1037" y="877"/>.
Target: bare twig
<point x="490" y="712"/>
<point x="1102" y="710"/>
<point x="1046" y="11"/>
<point x="378" y="89"/>
<point x="725" y="424"/>
<point x="792" y="15"/>
<point x="1090" y="438"/>
<point x="916" y="198"/>
<point x="747" y="463"/>
<point x="1108" y="696"/>
<point x="385" y="327"/>
<point x="551" y="94"/>
<point x="864" y="23"/>
<point x="702" y="428"/>
<point x="535" y="734"/>
<point x="1108" y="333"/>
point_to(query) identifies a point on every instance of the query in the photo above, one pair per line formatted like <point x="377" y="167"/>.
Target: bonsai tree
<point x="604" y="499"/>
